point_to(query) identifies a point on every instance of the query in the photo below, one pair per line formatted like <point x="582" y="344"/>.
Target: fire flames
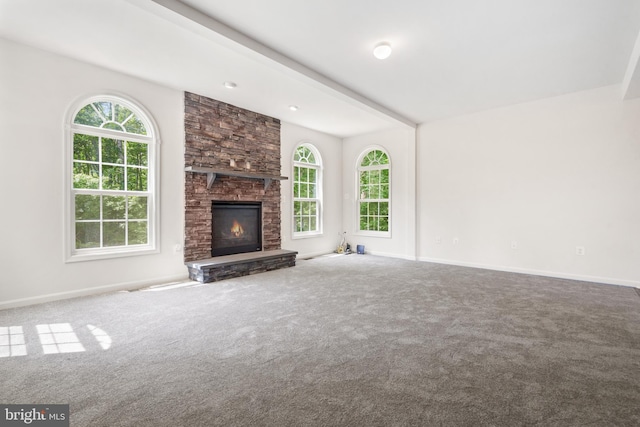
<point x="236" y="229"/>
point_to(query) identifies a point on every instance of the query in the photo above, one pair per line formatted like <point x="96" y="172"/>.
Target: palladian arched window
<point x="307" y="191"/>
<point x="111" y="180"/>
<point x="374" y="193"/>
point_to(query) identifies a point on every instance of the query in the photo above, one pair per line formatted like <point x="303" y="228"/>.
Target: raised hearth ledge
<point x="228" y="266"/>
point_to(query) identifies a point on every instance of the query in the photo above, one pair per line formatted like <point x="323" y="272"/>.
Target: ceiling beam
<point x="631" y="81"/>
<point x="194" y="20"/>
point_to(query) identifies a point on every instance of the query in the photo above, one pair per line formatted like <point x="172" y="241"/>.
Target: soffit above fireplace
<point x="213" y="173"/>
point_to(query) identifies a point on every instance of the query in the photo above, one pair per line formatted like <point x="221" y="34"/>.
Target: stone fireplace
<point x="232" y="158"/>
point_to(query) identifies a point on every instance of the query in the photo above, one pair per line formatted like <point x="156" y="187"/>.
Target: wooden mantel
<point x="213" y="173"/>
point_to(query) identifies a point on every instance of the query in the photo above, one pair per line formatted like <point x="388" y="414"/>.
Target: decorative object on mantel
<point x="360" y="249"/>
<point x="212" y="173"/>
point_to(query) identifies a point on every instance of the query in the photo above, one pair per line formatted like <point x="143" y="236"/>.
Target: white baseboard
<point x="391" y="255"/>
<point x="376" y="253"/>
<point x="309" y="255"/>
<point x="21" y="302"/>
<point x="559" y="275"/>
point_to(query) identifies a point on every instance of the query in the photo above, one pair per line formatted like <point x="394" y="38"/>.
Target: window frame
<point x="318" y="199"/>
<point x="152" y="139"/>
<point x="359" y="168"/>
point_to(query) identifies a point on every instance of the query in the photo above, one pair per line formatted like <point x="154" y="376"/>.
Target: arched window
<point x="374" y="193"/>
<point x="111" y="180"/>
<point x="307" y="191"/>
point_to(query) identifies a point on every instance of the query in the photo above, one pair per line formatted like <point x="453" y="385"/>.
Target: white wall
<point x="36" y="91"/>
<point x="330" y="149"/>
<point x="400" y="144"/>
<point x="549" y="175"/>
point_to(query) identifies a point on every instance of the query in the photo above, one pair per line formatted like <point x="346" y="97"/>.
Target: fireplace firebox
<point x="236" y="227"/>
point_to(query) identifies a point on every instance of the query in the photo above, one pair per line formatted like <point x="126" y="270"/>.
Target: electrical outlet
<point x="456" y="240"/>
<point x="177" y="248"/>
<point x="580" y="250"/>
<point x="514" y="244"/>
<point x="438" y="240"/>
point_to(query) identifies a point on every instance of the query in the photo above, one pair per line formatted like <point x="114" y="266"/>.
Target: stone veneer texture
<point x="215" y="134"/>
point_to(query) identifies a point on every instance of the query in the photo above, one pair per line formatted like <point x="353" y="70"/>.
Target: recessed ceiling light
<point x="293" y="107"/>
<point x="230" y="85"/>
<point x="382" y="50"/>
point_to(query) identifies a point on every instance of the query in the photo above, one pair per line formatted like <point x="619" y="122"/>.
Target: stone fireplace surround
<point x="227" y="139"/>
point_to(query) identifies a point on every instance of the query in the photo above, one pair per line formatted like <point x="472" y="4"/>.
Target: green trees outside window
<point x="306" y="190"/>
<point x="374" y="192"/>
<point x="111" y="191"/>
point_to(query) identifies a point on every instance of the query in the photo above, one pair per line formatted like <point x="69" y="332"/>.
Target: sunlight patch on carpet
<point x="101" y="336"/>
<point x="59" y="338"/>
<point x="12" y="341"/>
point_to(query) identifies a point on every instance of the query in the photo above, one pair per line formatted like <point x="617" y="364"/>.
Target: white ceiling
<point x="450" y="57"/>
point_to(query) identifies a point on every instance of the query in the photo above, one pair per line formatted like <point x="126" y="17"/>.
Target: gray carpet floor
<point x="353" y="340"/>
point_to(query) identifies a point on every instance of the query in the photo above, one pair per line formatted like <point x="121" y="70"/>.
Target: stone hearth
<point x="228" y="266"/>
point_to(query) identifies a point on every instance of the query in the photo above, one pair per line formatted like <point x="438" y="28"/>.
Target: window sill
<point x="80" y="256"/>
<point x="309" y="235"/>
<point x="382" y="234"/>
